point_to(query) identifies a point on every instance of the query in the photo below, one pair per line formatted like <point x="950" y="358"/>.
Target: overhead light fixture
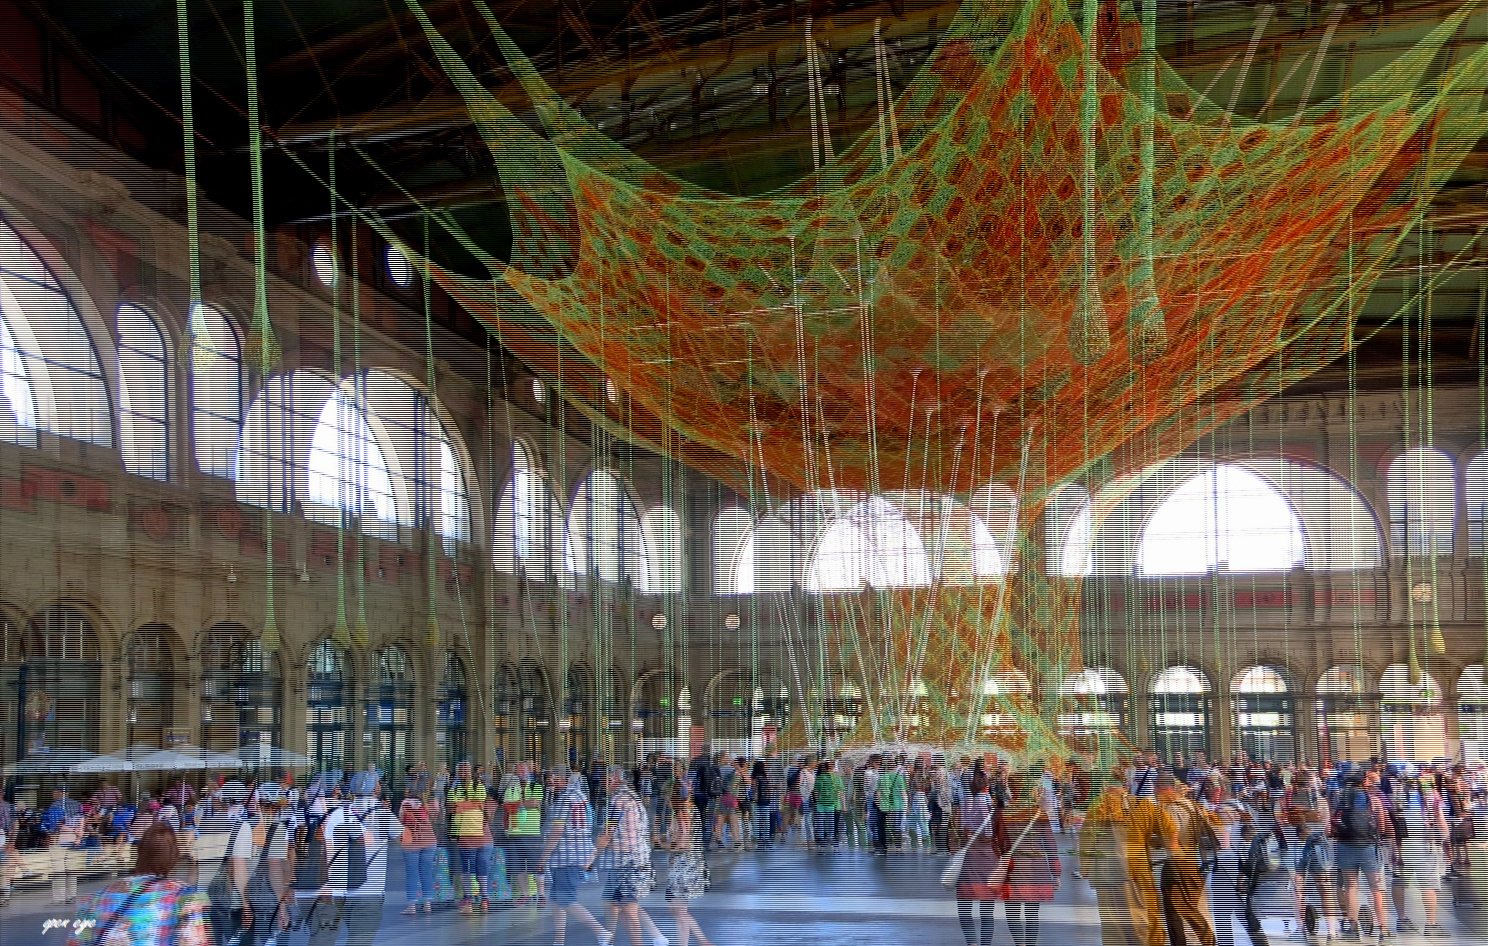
<point x="232" y="574"/>
<point x="831" y="88"/>
<point x="760" y="87"/>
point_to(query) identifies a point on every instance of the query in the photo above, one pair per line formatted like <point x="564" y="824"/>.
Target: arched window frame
<point x="1227" y="504"/>
<point x="49" y="356"/>
<point x="218" y="390"/>
<point x="870" y="543"/>
<point x="732" y="529"/>
<point x="144" y="392"/>
<point x="604" y="530"/>
<point x="530" y="527"/>
<point x="662" y="528"/>
<point x="1422" y="489"/>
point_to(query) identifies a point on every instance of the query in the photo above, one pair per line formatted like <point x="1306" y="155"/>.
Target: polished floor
<point x="763" y="898"/>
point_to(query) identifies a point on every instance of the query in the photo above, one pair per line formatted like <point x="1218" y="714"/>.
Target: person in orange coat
<point x="1120" y="833"/>
<point x="1185" y="901"/>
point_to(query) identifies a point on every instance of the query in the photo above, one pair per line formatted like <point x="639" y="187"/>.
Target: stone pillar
<point x="1221" y="715"/>
<point x="293" y="708"/>
<point x="1304" y="721"/>
<point x="1140" y="706"/>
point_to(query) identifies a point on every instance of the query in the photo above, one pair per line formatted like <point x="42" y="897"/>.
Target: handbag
<point x="998" y="877"/>
<point x="952" y="873"/>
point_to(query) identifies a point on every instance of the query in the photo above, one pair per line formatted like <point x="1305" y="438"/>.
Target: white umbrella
<point x="52" y="762"/>
<point x="282" y="758"/>
<point x="168" y="760"/>
<point x="98" y="765"/>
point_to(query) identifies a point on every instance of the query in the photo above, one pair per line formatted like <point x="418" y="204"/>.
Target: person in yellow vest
<point x="523" y="801"/>
<point x="1116" y="842"/>
<point x="1185" y="902"/>
<point x="469" y="838"/>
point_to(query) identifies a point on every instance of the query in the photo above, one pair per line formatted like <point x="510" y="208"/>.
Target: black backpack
<point x="313" y="862"/>
<point x="1356" y="822"/>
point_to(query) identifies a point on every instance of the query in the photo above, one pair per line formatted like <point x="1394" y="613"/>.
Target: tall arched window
<point x="870" y="544"/>
<point x="50" y="372"/>
<point x="663" y="530"/>
<point x="144" y="393"/>
<point x="731" y="528"/>
<point x="606" y="531"/>
<point x="1423" y="502"/>
<point x="1180" y="712"/>
<point x="530" y="529"/>
<point x="1225" y="519"/>
<point x="242" y="690"/>
<point x="217" y="390"/>
<point x="454" y="498"/>
<point x="347" y="467"/>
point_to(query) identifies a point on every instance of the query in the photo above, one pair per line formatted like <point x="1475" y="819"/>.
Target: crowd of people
<point x="1170" y="849"/>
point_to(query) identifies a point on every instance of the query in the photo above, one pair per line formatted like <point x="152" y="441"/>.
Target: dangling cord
<point x="1089" y="336"/>
<point x="188" y="142"/>
<point x="359" y="635"/>
<point x="1148" y="327"/>
<point x="341" y="634"/>
<point x="433" y="461"/>
<point x="265" y="360"/>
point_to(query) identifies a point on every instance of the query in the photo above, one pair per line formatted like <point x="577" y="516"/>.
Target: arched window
<point x="663" y="530"/>
<point x="454" y="498"/>
<point x="144" y="393"/>
<point x="347" y="467"/>
<point x="1412" y="726"/>
<point x="731" y="528"/>
<point x="960" y="547"/>
<point x="242" y="690"/>
<point x="1002" y="692"/>
<point x="1346" y="706"/>
<point x="506" y="703"/>
<point x="1475" y="494"/>
<point x="1472" y="712"/>
<point x="1423" y="502"/>
<point x="50" y="373"/>
<point x="327" y="721"/>
<point x="606" y="531"/>
<point x="1180" y="712"/>
<point x="1096" y="702"/>
<point x="1225" y="519"/>
<point x="63" y="685"/>
<point x="1068" y="532"/>
<point x="871" y="544"/>
<point x="577" y="722"/>
<point x="530" y="527"/>
<point x="1263" y="712"/>
<point x="536" y="713"/>
<point x="217" y="390"/>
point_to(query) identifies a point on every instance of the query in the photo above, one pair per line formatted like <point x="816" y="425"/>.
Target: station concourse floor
<point x="768" y="897"/>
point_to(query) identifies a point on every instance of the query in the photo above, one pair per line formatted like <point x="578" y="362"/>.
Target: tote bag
<point x="952" y="873"/>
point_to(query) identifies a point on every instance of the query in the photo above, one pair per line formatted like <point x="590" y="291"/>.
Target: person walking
<point x="1361" y="827"/>
<point x="626" y="845"/>
<point x="1115" y="844"/>
<point x="568" y="848"/>
<point x="975" y="886"/>
<point x="1182" y="884"/>
<point x="1021" y="832"/>
<point x="146" y="908"/>
<point x="420" y="855"/>
<point x="1421" y="862"/>
<point x="917" y="821"/>
<point x="362" y="831"/>
<point x="687" y="873"/>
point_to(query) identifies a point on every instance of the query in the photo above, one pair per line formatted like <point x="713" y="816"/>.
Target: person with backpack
<point x="260" y="859"/>
<point x="356" y="838"/>
<point x="1304" y="808"/>
<point x="522" y="800"/>
<point x="1360" y="827"/>
<point x="704" y="794"/>
<point x="1421" y="861"/>
<point x="1261" y="856"/>
<point x="146" y="907"/>
<point x="470" y="839"/>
